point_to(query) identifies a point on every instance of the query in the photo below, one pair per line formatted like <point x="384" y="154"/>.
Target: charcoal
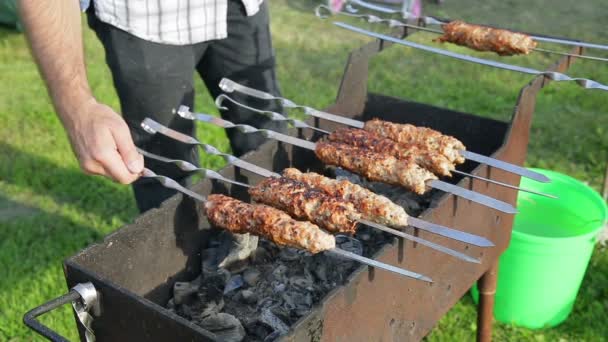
<point x="274" y="322"/>
<point x="289" y="254"/>
<point x="304" y="283"/>
<point x="299" y="301"/>
<point x="251" y="276"/>
<point x="349" y="244"/>
<point x="227" y="327"/>
<point x="277" y="286"/>
<point x="248" y="296"/>
<point x="234" y="283"/>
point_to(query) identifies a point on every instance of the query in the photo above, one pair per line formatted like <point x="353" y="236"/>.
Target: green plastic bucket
<point x="541" y="271"/>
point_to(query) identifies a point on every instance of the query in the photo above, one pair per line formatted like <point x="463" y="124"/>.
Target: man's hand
<point x="102" y="143"/>
<point x="100" y="137"/>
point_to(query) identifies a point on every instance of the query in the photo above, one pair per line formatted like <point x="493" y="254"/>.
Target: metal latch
<point x="84" y="299"/>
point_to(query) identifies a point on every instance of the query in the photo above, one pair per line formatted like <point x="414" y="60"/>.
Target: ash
<point x="259" y="300"/>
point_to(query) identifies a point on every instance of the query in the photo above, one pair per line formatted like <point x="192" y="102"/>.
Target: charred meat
<point x="304" y="202"/>
<point x="483" y="38"/>
<point x="371" y="206"/>
<point x="430" y="160"/>
<point x="239" y="217"/>
<point x="421" y="136"/>
<point x="375" y="166"/>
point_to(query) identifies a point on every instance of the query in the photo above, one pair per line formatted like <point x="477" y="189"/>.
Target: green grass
<point x="68" y="210"/>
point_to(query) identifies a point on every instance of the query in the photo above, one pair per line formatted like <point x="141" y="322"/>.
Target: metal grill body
<point x="134" y="268"/>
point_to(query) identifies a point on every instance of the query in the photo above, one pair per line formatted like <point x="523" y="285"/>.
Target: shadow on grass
<point x="32" y="250"/>
<point x="8" y="31"/>
<point x="66" y="185"/>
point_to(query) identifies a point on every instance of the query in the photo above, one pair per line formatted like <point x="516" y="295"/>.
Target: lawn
<point x="49" y="209"/>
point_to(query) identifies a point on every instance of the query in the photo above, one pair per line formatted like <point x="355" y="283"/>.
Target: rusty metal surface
<point x="135" y="267"/>
<point x="408" y="310"/>
<point x="485" y="308"/>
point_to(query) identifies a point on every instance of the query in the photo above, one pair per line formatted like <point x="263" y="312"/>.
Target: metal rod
<point x="374" y="263"/>
<point x="279" y="117"/>
<point x="421" y="241"/>
<point x="231" y="86"/>
<point x="170" y="183"/>
<point x="594" y="58"/>
<point x="552" y="75"/>
<point x="154" y="127"/>
<point x="449" y="232"/>
<point x="186" y="166"/>
<point x="504" y="184"/>
<point x="427" y="226"/>
<point x="323" y="12"/>
<point x="189" y="167"/>
<point x="564" y="41"/>
<point x="522" y="171"/>
<point x="274" y="116"/>
<point x="437" y="184"/>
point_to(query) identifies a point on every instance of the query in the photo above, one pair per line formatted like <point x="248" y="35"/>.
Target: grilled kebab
<point x="305" y="202"/>
<point x="239" y="217"/>
<point x="424" y="137"/>
<point x="375" y="166"/>
<point x="371" y="206"/>
<point x="430" y="160"/>
<point x="483" y="38"/>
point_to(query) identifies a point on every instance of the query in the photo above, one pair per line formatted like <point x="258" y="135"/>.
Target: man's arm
<point x="99" y="136"/>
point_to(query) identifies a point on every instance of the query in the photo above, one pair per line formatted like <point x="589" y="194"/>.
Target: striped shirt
<point x="175" y="22"/>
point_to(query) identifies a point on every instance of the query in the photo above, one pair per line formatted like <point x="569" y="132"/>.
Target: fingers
<point x="102" y="142"/>
<point x="104" y="158"/>
<point x="115" y="167"/>
<point x="124" y="143"/>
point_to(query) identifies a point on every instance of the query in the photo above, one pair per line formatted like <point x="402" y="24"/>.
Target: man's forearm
<point x="54" y="32"/>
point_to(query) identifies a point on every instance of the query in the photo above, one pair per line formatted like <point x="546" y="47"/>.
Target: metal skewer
<point x="186" y="166"/>
<point x="170" y="183"/>
<point x="437" y="184"/>
<point x="184" y="112"/>
<point x="153" y="127"/>
<point x="429" y="20"/>
<point x="324" y="12"/>
<point x="230" y="86"/>
<point x="552" y="75"/>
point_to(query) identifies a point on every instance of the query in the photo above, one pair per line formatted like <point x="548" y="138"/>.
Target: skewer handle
<point x="171" y="184"/>
<point x="189" y="167"/>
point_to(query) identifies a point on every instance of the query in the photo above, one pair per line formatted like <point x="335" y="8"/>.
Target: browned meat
<point x="239" y="217"/>
<point x="305" y="202"/>
<point x="483" y="38"/>
<point x="430" y="160"/>
<point x="372" y="207"/>
<point x="424" y="137"/>
<point x="375" y="166"/>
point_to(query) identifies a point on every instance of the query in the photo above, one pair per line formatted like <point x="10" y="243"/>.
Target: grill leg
<point x="485" y="309"/>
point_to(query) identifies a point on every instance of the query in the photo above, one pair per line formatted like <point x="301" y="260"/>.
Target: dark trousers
<point x="154" y="79"/>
